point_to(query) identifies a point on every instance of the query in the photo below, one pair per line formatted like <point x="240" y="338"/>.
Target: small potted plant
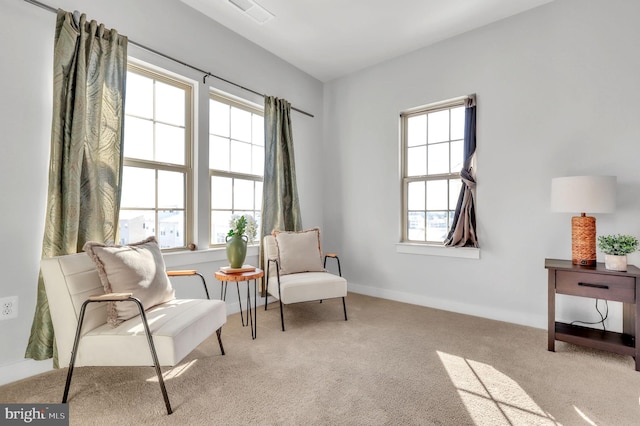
<point x="616" y="248"/>
<point x="237" y="242"/>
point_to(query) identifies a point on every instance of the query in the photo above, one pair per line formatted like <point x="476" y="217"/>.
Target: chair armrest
<point x="110" y="297"/>
<point x="332" y="256"/>
<point x="189" y="273"/>
<point x="182" y="273"/>
<point x="274" y="260"/>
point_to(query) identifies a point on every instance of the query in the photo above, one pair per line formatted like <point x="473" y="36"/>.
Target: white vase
<point x="615" y="263"/>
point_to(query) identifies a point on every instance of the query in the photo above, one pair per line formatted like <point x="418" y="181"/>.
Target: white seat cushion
<point x="308" y="286"/>
<point x="178" y="326"/>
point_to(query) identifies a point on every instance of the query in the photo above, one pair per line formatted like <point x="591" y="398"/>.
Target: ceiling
<point x="332" y="38"/>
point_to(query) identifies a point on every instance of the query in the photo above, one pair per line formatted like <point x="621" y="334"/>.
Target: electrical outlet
<point x="8" y="307"/>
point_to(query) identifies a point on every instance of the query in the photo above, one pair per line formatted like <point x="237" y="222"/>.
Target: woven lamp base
<point x="583" y="240"/>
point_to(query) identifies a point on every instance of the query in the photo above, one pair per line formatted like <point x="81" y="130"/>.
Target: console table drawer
<point x="597" y="286"/>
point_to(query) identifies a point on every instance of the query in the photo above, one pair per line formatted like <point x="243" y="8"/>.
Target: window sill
<point x="435" y="250"/>
<point x="219" y="254"/>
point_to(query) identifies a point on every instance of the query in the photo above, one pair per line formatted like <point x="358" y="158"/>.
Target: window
<point x="157" y="159"/>
<point x="432" y="153"/>
<point x="236" y="162"/>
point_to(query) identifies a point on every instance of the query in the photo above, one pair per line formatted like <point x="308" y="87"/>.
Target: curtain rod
<point x="206" y="73"/>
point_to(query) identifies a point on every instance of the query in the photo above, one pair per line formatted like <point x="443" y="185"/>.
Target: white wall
<point x="557" y="92"/>
<point x="26" y="43"/>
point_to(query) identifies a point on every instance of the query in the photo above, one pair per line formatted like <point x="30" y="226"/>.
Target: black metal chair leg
<point x="154" y="355"/>
<point x="266" y="283"/>
<point x="344" y="305"/>
<point x="281" y="314"/>
<point x="152" y="349"/>
<point x="74" y="351"/>
<point x="219" y="334"/>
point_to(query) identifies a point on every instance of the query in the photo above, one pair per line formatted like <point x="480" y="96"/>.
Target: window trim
<point x="405" y="180"/>
<point x="170" y="78"/>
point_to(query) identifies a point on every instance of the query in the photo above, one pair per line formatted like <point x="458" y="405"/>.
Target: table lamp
<point x="583" y="194"/>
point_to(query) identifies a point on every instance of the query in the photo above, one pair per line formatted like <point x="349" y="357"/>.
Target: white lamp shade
<point x="583" y="194"/>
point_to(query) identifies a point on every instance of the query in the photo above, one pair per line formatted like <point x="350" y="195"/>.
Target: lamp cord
<point x="602" y="317"/>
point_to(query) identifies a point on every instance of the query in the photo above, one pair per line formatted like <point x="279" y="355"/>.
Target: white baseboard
<point x="23" y="369"/>
<point x="539" y="321"/>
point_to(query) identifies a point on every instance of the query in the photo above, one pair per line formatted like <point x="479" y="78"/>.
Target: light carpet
<point x="390" y="364"/>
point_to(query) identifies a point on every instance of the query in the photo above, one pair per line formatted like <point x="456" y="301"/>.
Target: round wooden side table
<point x="225" y="277"/>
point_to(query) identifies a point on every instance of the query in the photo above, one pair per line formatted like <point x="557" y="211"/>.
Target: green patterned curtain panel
<point x="280" y="205"/>
<point x="85" y="170"/>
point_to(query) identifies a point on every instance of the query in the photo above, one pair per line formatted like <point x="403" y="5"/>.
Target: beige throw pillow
<point x="299" y="251"/>
<point x="135" y="268"/>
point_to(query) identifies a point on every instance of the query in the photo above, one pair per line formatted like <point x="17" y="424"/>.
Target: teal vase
<point x="236" y="250"/>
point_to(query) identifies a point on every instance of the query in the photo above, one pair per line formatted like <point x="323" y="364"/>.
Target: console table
<point x="597" y="283"/>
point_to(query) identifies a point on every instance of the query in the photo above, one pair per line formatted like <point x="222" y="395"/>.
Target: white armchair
<point x="295" y="270"/>
<point x="160" y="336"/>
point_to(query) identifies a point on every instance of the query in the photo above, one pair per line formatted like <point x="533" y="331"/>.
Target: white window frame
<point x="254" y="109"/>
<point x="423" y="246"/>
<point x="186" y="169"/>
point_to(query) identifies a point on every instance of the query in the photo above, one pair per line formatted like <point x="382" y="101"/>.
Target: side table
<point x="596" y="282"/>
<point x="254" y="275"/>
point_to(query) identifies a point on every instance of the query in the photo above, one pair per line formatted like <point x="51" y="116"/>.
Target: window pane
<point x="218" y="118"/>
<point x="136" y="225"/>
<point x="170" y="189"/>
<point x="416" y="161"/>
<point x="438" y="126"/>
<point x="258" y="130"/>
<point x="170" y="229"/>
<point x="240" y="157"/>
<point x="243" y="195"/>
<point x="170" y="144"/>
<point x="457" y="123"/>
<point x="139" y="96"/>
<point x="438" y="157"/>
<point x="456" y="156"/>
<point x="138" y="138"/>
<point x="219" y="226"/>
<point x="454" y="193"/>
<point x="221" y="190"/>
<point x="240" y="124"/>
<point x="416" y="196"/>
<point x="138" y="187"/>
<point x="257" y="160"/>
<point x="170" y="104"/>
<point x="437" y="192"/>
<point x="218" y="153"/>
<point x="436" y="226"/>
<point x="417" y="130"/>
<point x="258" y="195"/>
<point x="416" y="226"/>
